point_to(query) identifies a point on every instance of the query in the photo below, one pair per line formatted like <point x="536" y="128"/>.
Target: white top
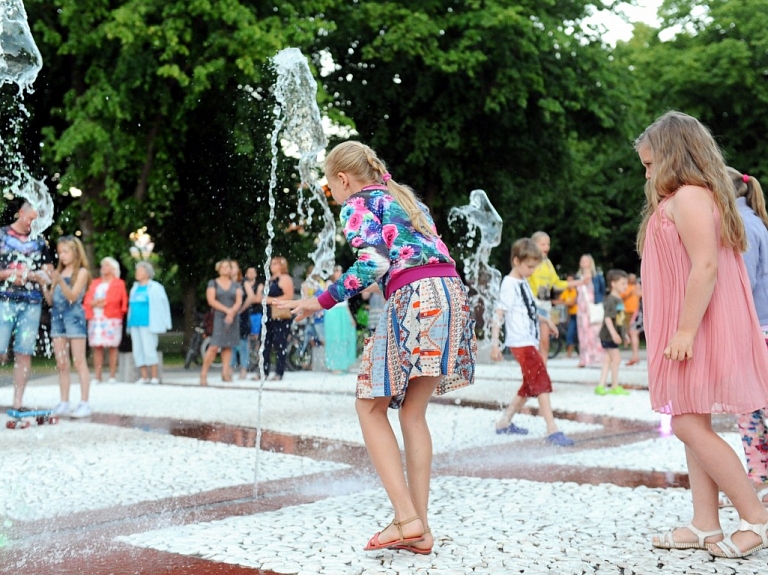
<point x="521" y="321"/>
<point x="100" y="293"/>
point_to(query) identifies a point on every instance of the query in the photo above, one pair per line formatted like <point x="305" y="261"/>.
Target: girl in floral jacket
<point x="424" y="343"/>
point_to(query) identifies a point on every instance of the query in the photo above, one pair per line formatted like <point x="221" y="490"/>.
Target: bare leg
<point x="61" y="352"/>
<point x="153" y="371"/>
<point x="615" y="358"/>
<point x="634" y="339"/>
<point x="418" y="447"/>
<point x="722" y="466"/>
<point x="226" y="369"/>
<point x="98" y="361"/>
<point x="381" y="443"/>
<point x="514" y="407"/>
<point x="210" y="355"/>
<point x="545" y="410"/>
<point x="21" y="370"/>
<point x="604" y="370"/>
<point x="144" y="372"/>
<point x="81" y="366"/>
<point x="112" y="362"/>
<point x="544" y="342"/>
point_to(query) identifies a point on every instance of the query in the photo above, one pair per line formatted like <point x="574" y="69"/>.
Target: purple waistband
<point x="419" y="273"/>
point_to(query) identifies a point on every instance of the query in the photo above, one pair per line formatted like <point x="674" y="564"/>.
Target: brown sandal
<point x="374" y="544"/>
<point x="418" y="550"/>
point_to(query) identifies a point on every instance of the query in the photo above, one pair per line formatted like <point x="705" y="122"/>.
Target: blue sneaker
<point x="511" y="430"/>
<point x="560" y="439"/>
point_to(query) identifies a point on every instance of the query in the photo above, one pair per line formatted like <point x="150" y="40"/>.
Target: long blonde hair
<point x="685" y="153"/>
<point x="748" y="187"/>
<point x="361" y="162"/>
<point x="80" y="260"/>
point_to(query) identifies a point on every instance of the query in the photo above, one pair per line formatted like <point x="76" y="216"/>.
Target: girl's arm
<point x="250" y="297"/>
<point x="498" y="320"/>
<point x="73" y="293"/>
<point x="691" y="210"/>
<point x="210" y="296"/>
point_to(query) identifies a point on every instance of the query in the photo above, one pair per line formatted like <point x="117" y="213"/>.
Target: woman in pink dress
<point x="706" y="352"/>
<point x="590" y="350"/>
<point x="106" y="304"/>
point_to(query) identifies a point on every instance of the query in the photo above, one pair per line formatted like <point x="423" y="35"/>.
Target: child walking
<point x="424" y="343"/>
<point x="517" y="309"/>
<point x="612" y="333"/>
<point x="752" y="426"/>
<point x="69" y="283"/>
<point x="706" y="352"/>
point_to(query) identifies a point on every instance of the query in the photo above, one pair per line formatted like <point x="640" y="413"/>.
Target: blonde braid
<point x="404" y="195"/>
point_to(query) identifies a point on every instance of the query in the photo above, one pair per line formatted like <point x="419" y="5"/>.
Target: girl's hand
<point x="616" y="339"/>
<point x="553" y="328"/>
<point x="680" y="347"/>
<point x="55" y="277"/>
<point x="229" y="317"/>
<point x="496" y="353"/>
<point x="301" y="308"/>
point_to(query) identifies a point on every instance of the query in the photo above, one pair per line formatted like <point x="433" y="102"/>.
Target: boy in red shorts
<point x="517" y="309"/>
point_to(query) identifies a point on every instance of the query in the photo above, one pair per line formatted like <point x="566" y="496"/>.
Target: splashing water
<point x="480" y="275"/>
<point x="20" y="60"/>
<point x="298" y="125"/>
<point x="302" y="128"/>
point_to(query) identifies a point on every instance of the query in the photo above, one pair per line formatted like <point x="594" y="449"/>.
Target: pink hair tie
<point x="386" y="177"/>
<point x="745" y="178"/>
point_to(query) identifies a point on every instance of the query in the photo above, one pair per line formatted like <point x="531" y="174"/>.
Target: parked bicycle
<point x="302" y="339"/>
<point x="199" y="342"/>
<point x="560" y="317"/>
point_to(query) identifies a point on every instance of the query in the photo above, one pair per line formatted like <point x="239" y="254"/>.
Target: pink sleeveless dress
<point x="729" y="369"/>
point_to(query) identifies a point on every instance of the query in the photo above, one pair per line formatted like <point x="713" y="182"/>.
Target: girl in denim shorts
<point x="68" y="328"/>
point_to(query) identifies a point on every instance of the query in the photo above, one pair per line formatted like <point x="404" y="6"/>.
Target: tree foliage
<point x="504" y="96"/>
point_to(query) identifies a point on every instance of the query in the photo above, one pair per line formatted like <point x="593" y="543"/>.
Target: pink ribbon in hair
<point x="745" y="178"/>
<point x="386" y="177"/>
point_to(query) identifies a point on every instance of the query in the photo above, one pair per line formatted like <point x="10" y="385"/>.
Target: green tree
<point x="500" y="95"/>
<point x="714" y="68"/>
<point x="137" y="94"/>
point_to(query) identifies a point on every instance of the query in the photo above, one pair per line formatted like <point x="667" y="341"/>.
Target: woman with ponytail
<point x="424" y="343"/>
<point x="754" y="433"/>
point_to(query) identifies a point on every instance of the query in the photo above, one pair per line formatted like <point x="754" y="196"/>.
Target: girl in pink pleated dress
<point x="706" y="352"/>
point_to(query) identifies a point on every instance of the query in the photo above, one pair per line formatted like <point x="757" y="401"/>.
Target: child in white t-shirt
<point x="517" y="309"/>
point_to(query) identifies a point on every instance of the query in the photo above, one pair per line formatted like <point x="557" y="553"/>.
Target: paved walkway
<point x="162" y="480"/>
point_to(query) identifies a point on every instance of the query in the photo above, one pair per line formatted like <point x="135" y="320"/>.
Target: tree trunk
<point x="189" y="291"/>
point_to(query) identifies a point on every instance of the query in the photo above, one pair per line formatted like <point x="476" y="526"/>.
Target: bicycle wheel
<point x="204" y="347"/>
<point x="299" y="358"/>
<point x="555" y="346"/>
<point x="193" y="353"/>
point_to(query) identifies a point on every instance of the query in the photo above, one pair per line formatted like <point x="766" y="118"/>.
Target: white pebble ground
<point x="487" y="526"/>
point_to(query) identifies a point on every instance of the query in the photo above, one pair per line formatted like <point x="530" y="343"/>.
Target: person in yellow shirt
<point x="543" y="282"/>
<point x="631" y="297"/>
<point x="568" y="299"/>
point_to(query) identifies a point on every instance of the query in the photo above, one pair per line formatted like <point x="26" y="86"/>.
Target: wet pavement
<point x="165" y="480"/>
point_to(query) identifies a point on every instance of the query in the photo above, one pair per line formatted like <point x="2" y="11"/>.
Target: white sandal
<point x="726" y="547"/>
<point x="724" y="501"/>
<point x="667" y="540"/>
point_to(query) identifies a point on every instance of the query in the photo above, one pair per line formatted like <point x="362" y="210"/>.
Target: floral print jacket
<point x="384" y="241"/>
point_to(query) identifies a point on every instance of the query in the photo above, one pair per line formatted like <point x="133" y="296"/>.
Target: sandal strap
<point x="399" y="524"/>
<point x="760" y="529"/>
<point x="702" y="535"/>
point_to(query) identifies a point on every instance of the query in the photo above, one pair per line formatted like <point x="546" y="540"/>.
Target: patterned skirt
<point x="425" y="329"/>
<point x="105" y="332"/>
